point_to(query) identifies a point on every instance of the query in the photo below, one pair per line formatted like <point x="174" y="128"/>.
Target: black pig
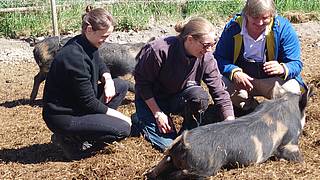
<point x="273" y="129"/>
<point x="120" y="58"/>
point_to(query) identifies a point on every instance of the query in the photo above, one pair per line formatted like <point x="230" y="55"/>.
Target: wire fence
<point x="32" y="17"/>
<point x="37" y="5"/>
<point x="40" y="5"/>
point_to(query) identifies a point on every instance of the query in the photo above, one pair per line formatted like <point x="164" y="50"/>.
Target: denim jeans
<point x="175" y="104"/>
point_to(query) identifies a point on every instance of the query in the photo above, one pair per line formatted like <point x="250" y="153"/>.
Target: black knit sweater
<point x="72" y="83"/>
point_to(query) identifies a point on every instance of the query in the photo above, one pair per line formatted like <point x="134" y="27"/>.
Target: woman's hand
<point x="109" y="89"/>
<point x="273" y="68"/>
<point x="164" y="122"/>
<point x="242" y="81"/>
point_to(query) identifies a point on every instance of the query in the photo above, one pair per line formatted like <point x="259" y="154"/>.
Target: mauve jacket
<point x="164" y="69"/>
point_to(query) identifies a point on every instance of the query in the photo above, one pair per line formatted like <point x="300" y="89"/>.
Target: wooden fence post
<point x="54" y="18"/>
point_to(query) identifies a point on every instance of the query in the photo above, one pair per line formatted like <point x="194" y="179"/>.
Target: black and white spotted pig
<point x="273" y="129"/>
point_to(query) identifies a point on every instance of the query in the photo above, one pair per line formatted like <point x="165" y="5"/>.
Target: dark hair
<point x="98" y="18"/>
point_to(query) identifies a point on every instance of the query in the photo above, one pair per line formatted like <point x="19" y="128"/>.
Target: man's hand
<point x="164" y="122"/>
<point x="242" y="81"/>
<point x="273" y="68"/>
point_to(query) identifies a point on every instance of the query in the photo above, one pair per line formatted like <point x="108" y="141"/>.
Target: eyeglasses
<point x="207" y="45"/>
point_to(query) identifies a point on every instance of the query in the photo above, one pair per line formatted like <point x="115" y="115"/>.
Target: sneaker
<point x="72" y="149"/>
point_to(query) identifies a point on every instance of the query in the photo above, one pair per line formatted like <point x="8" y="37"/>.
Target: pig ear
<point x="278" y="91"/>
<point x="305" y="97"/>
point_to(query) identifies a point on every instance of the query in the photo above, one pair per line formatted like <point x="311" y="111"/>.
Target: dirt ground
<point x="27" y="153"/>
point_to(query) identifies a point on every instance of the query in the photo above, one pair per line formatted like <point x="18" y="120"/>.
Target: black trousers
<point x="94" y="127"/>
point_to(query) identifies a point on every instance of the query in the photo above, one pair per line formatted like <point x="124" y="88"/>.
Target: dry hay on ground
<point x="299" y="17"/>
<point x="26" y="151"/>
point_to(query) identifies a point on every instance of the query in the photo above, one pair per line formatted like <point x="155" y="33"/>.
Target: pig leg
<point x="184" y="174"/>
<point x="290" y="152"/>
<point x="38" y="79"/>
<point x="164" y="165"/>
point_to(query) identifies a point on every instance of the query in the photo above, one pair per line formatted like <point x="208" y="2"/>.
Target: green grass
<point x="298" y="5"/>
<point x="213" y="10"/>
<point x="22" y="24"/>
<point x="129" y="14"/>
<point x="137" y="15"/>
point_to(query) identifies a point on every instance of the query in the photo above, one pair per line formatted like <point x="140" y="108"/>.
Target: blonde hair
<point x="256" y="8"/>
<point x="98" y="18"/>
<point x="194" y="26"/>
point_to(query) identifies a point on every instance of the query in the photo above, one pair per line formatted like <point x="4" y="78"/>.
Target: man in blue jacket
<point x="256" y="49"/>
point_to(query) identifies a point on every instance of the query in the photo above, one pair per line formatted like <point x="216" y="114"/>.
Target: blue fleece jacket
<point x="285" y="49"/>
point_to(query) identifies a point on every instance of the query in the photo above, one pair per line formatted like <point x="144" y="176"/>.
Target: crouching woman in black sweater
<point x="80" y="96"/>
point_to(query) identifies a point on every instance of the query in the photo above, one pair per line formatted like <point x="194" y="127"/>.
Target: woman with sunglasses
<point x="256" y="49"/>
<point x="168" y="79"/>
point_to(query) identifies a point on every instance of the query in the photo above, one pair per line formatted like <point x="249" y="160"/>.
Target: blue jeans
<point x="175" y="104"/>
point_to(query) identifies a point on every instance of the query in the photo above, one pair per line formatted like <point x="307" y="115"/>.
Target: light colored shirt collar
<point x="254" y="49"/>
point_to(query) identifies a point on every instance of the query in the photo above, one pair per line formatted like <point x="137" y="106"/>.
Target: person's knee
<point x="119" y="127"/>
<point x="160" y="143"/>
<point x="121" y="85"/>
<point x="164" y="145"/>
<point x="124" y="131"/>
<point x="197" y="99"/>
